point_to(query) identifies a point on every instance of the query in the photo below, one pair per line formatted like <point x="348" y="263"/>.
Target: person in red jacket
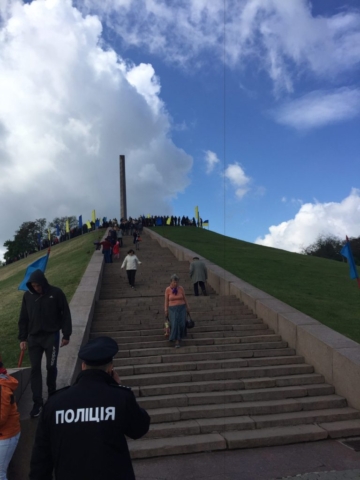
<point x="9" y="420"/>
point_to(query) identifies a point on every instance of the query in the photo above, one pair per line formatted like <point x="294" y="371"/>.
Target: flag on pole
<point x="80" y="221"/>
<point x="39" y="240"/>
<point x="97" y="223"/>
<point x="205" y="223"/>
<point x="57" y="230"/>
<point x="168" y="221"/>
<point x="93" y="216"/>
<point x="67" y="226"/>
<point x="49" y="234"/>
<point x="347" y="253"/>
<point x="39" y="264"/>
<point x="88" y="224"/>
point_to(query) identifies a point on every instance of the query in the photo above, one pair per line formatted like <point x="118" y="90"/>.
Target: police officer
<point x="82" y="428"/>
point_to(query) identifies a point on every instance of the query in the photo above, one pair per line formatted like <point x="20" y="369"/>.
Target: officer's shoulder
<point x="53" y="394"/>
<point x="121" y="387"/>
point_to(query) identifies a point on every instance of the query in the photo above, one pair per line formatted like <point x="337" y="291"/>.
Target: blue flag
<point x="97" y="223"/>
<point x="80" y="221"/>
<point x="57" y="230"/>
<point x="39" y="264"/>
<point x="347" y="253"/>
<point x="159" y="222"/>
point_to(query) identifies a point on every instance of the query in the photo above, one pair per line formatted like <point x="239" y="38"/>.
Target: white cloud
<point x="211" y="160"/>
<point x="313" y="220"/>
<point x="320" y="108"/>
<point x="279" y="34"/>
<point x="68" y="109"/>
<point x="236" y="175"/>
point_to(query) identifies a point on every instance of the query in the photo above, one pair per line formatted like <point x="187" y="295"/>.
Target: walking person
<point x="81" y="432"/>
<point x="198" y="275"/>
<point x="9" y="420"/>
<point x="176" y="309"/>
<point x="119" y="235"/>
<point x="130" y="263"/>
<point x="44" y="312"/>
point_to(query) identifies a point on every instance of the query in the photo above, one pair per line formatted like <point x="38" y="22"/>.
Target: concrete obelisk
<point x="123" y="209"/>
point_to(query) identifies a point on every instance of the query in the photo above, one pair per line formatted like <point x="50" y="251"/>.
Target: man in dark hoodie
<point x="44" y="312"/>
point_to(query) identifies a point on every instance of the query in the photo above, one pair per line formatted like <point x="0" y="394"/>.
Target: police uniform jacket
<point x="81" y="431"/>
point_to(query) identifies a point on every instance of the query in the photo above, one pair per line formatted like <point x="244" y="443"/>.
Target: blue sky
<point x="255" y="119"/>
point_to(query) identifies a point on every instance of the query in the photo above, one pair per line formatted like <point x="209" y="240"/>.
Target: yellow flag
<point x="93" y="216"/>
<point x="148" y="215"/>
<point x="88" y="224"/>
<point x="49" y="234"/>
<point x="196" y="213"/>
<point x="67" y="226"/>
<point x="168" y="221"/>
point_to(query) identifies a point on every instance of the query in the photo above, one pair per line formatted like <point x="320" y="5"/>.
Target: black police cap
<point x="98" y="351"/>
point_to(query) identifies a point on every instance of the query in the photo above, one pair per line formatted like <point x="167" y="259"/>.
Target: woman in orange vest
<point x="9" y="420"/>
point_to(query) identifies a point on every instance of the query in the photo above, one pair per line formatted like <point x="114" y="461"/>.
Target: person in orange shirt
<point x="176" y="308"/>
<point x="9" y="420"/>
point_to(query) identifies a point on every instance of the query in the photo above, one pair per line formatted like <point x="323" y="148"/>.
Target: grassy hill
<point x="318" y="287"/>
<point x="66" y="266"/>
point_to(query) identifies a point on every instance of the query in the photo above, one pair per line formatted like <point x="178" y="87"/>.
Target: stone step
<point x="224" y="385"/>
<point x="194" y="357"/>
<point x="211" y="425"/>
<point x="156" y="320"/>
<point x="344" y="428"/>
<point x="135" y="331"/>
<point x="267" y="437"/>
<point x="207" y="365"/>
<point x="215" y="374"/>
<point x="188" y="342"/>
<point x="154" y="339"/>
<point x="233" y="396"/>
<point x="270" y="407"/>
<point x="158" y="334"/>
<point x="271" y="342"/>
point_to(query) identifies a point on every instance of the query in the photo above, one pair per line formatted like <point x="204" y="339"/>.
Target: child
<point x="116" y="250"/>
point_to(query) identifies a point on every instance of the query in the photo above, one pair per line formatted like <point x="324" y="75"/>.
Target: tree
<point x="330" y="247"/>
<point x="61" y="221"/>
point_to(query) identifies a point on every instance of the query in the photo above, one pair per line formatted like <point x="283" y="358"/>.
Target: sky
<point x="248" y="109"/>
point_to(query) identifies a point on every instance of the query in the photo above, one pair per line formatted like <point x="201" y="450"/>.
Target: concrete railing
<point x="333" y="355"/>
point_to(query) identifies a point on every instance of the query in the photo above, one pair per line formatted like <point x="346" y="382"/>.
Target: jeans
<point x="7" y="449"/>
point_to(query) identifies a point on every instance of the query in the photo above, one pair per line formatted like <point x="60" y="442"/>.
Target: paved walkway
<point x="329" y="459"/>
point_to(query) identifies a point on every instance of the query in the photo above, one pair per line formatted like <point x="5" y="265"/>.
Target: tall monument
<point x="123" y="209"/>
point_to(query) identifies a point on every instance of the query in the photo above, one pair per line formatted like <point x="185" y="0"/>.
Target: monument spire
<point x="123" y="209"/>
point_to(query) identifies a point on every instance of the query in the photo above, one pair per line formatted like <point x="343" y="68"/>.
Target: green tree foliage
<point x="61" y="221"/>
<point x="25" y="238"/>
<point x="330" y="247"/>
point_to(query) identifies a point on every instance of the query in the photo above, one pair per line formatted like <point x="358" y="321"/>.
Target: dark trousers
<point x="196" y="288"/>
<point x="38" y="344"/>
<point x="131" y="276"/>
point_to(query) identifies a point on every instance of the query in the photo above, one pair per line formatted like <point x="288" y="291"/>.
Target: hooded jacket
<point x="47" y="312"/>
<point x="9" y="415"/>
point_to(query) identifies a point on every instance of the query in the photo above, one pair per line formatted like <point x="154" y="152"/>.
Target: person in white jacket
<point x="130" y="263"/>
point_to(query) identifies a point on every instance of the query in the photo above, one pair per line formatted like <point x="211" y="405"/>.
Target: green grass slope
<point x="318" y="287"/>
<point x="66" y="266"/>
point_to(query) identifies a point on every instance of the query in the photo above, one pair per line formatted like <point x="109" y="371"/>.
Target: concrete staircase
<point x="233" y="384"/>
